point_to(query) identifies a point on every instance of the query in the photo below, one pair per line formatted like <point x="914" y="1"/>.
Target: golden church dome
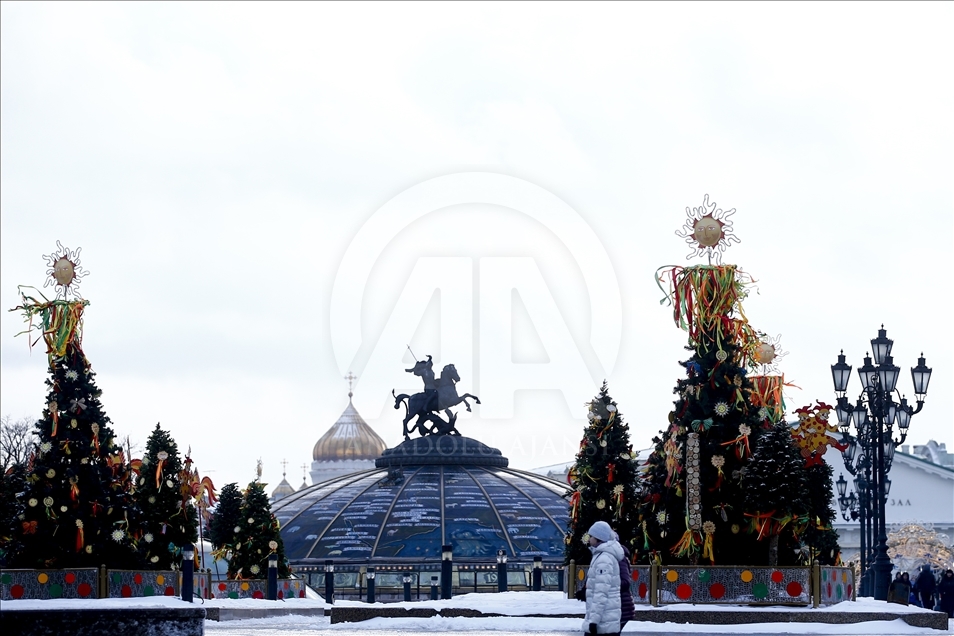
<point x="349" y="438"/>
<point x="282" y="490"/>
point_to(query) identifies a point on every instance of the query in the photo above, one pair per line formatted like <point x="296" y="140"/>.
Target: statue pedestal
<point x="441" y="449"/>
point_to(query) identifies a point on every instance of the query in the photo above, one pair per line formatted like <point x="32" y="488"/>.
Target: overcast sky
<point x="268" y="195"/>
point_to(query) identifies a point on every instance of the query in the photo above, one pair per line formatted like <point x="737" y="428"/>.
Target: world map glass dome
<point x="423" y="494"/>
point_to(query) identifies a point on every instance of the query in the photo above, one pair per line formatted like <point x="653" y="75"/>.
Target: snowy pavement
<point x="507" y="626"/>
<point x="515" y="605"/>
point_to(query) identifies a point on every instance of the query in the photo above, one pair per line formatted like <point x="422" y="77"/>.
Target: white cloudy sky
<point x="218" y="163"/>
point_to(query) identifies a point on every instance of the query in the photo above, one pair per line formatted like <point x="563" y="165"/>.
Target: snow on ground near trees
<point x="516" y="605"/>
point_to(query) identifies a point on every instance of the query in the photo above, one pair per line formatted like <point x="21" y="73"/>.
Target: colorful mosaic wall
<point x="757" y="585"/>
<point x="640" y="586"/>
<point x="837" y="585"/>
<point x="287" y="588"/>
<point x="139" y="583"/>
<point x="46" y="584"/>
<point x="202" y="584"/>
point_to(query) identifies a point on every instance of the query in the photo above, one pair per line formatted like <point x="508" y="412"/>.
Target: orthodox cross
<point x="350" y="378"/>
<point x="284" y="464"/>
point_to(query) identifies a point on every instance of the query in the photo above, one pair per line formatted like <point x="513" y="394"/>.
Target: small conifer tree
<point x="225" y="520"/>
<point x="257" y="537"/>
<point x="603" y="479"/>
<point x="170" y="519"/>
<point x="775" y="486"/>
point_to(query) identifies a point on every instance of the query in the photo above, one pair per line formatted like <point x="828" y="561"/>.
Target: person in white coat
<point x="602" y="582"/>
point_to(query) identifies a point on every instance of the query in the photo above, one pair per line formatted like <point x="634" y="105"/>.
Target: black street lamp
<point x="869" y="452"/>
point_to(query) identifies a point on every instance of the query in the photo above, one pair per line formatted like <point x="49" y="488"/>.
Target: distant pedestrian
<point x="899" y="591"/>
<point x="602" y="582"/>
<point x="913" y="598"/>
<point x="626" y="604"/>
<point x="946" y="590"/>
<point x="925" y="586"/>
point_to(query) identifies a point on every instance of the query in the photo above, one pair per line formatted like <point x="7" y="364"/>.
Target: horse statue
<point x="441" y="397"/>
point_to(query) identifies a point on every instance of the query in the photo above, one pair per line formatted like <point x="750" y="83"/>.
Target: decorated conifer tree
<point x="224" y="524"/>
<point x="169" y="518"/>
<point x="257" y="538"/>
<point x="603" y="480"/>
<point x="775" y="491"/>
<point x="813" y="434"/>
<point x="77" y="506"/>
<point x="692" y="507"/>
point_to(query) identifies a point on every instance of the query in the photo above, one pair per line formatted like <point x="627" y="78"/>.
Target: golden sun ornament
<point x="768" y="353"/>
<point x="65" y="271"/>
<point x="708" y="231"/>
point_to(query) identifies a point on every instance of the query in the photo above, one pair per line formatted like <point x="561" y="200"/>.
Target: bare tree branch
<point x="16" y="440"/>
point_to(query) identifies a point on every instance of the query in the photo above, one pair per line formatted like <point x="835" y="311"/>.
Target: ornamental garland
<point x="694" y="496"/>
<point x="703" y="299"/>
<point x="766" y="395"/>
<point x="61" y="323"/>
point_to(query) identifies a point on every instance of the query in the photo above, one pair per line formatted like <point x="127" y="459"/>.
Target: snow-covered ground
<point x="517" y="605"/>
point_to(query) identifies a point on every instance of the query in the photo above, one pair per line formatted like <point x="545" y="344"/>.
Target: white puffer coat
<point x="602" y="589"/>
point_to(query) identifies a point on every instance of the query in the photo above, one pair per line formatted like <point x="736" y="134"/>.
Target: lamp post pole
<point x="875" y="416"/>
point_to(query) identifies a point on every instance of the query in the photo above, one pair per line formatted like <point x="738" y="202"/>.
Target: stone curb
<point x="141" y="621"/>
<point x="931" y="620"/>
<point x="242" y="613"/>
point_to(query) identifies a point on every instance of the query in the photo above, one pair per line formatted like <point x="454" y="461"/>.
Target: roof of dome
<point x="349" y="438"/>
<point x="283" y="489"/>
<point x="409" y="508"/>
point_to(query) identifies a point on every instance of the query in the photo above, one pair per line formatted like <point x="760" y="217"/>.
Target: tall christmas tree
<point x="603" y="480"/>
<point x="692" y="508"/>
<point x="77" y="507"/>
<point x="257" y="538"/>
<point x="170" y="519"/>
<point x="775" y="491"/>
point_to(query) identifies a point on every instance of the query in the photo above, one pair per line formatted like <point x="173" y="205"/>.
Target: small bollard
<point x="370" y="576"/>
<point x="329" y="581"/>
<point x="188" y="572"/>
<point x="271" y="587"/>
<point x="434" y="586"/>
<point x="560" y="579"/>
<point x="447" y="570"/>
<point x="501" y="570"/>
<point x="537" y="573"/>
<point x="406" y="579"/>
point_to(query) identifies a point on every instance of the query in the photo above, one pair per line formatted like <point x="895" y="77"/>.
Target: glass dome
<point x="426" y="493"/>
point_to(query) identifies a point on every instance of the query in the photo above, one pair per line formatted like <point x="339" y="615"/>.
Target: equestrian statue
<point x="439" y="394"/>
